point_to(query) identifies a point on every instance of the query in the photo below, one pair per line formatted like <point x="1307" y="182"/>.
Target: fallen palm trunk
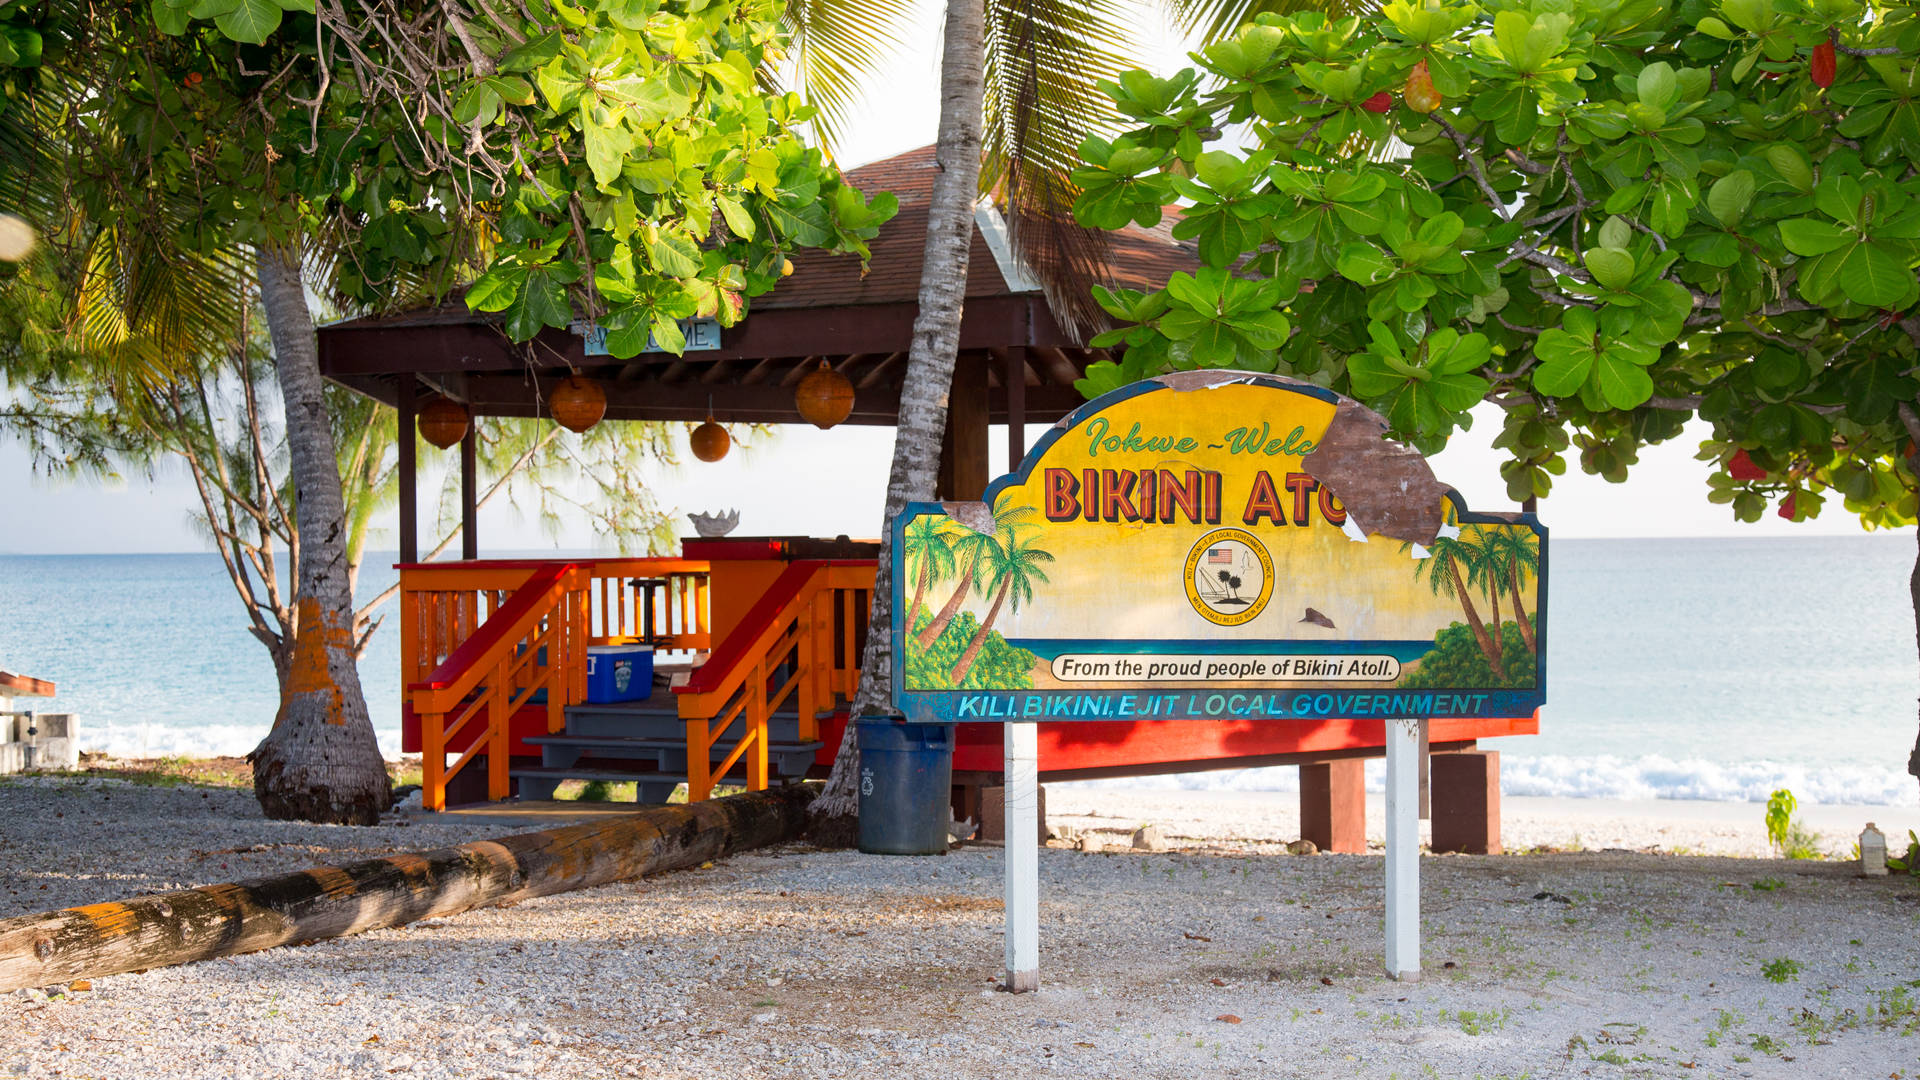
<point x="333" y="901"/>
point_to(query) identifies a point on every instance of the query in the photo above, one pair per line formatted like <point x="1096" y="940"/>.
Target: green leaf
<point x="1730" y="196"/>
<point x="251" y="21"/>
<point x="1657" y="85"/>
<point x="607" y="148"/>
<point x="1812" y="236"/>
<point x="736" y="215"/>
<point x="170" y="20"/>
<point x="674" y="255"/>
<point x="1874" y="276"/>
<point x="1611" y="267"/>
<point x="542" y="302"/>
<point x="1792" y="165"/>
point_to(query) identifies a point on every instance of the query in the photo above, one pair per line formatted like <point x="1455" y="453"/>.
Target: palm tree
<point x="1011" y="567"/>
<point x="929" y="547"/>
<point x="1442" y="569"/>
<point x="1018" y="84"/>
<point x="1521" y="552"/>
<point x="973" y="545"/>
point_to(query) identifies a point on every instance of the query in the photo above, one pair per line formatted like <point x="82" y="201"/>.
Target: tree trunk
<point x="928" y="382"/>
<point x="321" y="761"/>
<point x="1493" y="602"/>
<point x="952" y="607"/>
<point x="226" y="920"/>
<point x="1473" y="622"/>
<point x="1913" y="596"/>
<point x="919" y="594"/>
<point x="1520" y="610"/>
<point x="965" y="663"/>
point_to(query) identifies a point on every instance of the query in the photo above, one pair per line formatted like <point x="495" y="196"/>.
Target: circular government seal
<point x="1229" y="577"/>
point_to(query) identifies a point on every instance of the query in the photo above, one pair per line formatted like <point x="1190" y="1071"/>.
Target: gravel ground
<point x="801" y="963"/>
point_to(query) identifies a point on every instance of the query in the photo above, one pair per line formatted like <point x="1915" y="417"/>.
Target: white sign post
<point x="1403" y="849"/>
<point x="1022" y="817"/>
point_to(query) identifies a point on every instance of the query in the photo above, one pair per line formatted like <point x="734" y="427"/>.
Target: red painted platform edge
<point x="1103" y="744"/>
<point x="24" y="685"/>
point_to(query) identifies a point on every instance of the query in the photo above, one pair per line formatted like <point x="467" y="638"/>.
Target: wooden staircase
<point x="747" y="712"/>
<point x="645" y="742"/>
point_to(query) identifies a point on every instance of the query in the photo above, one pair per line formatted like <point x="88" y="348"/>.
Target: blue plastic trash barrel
<point x="906" y="773"/>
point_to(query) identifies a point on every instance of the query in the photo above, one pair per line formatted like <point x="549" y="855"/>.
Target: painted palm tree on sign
<point x="1486" y="568"/>
<point x="972" y="546"/>
<point x="1520" y="554"/>
<point x="929" y="551"/>
<point x="1009" y="567"/>
<point x="1445" y="570"/>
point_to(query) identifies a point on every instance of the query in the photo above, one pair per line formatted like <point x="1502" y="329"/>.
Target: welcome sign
<point x="1217" y="545"/>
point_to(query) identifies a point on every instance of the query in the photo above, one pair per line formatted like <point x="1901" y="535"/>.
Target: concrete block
<point x="52" y="754"/>
<point x="13" y="757"/>
<point x="993" y="814"/>
<point x="52" y="740"/>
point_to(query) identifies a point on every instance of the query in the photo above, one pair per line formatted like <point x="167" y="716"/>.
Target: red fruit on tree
<point x="1741" y="467"/>
<point x="1787" y="504"/>
<point x="1823" y="66"/>
<point x="1420" y="94"/>
<point x="1378" y="103"/>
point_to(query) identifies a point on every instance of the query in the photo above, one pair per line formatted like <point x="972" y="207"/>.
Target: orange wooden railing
<point x="663" y="602"/>
<point x="801" y="643"/>
<point x="480" y="639"/>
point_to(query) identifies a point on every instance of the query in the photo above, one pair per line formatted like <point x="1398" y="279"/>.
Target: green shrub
<point x="999" y="664"/>
<point x="1456" y="661"/>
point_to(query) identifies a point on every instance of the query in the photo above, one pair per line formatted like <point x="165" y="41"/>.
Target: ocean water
<point x="1702" y="669"/>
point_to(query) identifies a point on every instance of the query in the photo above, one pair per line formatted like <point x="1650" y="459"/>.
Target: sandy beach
<point x="1219" y="958"/>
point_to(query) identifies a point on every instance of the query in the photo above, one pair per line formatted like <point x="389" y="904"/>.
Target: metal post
<point x="1022" y="786"/>
<point x="1403" y="850"/>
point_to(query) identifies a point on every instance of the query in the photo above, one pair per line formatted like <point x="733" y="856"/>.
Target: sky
<point x="827" y="483"/>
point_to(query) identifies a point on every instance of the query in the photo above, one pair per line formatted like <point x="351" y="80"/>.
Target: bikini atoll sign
<point x="1217" y="545"/>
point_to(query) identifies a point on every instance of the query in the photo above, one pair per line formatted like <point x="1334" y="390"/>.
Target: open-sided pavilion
<point x="766" y="632"/>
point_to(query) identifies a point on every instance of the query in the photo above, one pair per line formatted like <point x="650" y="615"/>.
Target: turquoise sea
<point x="1710" y="668"/>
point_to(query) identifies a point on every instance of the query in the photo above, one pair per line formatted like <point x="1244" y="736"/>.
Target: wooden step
<point x="545" y="772"/>
<point x="633" y="742"/>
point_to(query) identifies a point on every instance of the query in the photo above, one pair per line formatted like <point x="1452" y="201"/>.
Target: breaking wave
<point x="1608" y="777"/>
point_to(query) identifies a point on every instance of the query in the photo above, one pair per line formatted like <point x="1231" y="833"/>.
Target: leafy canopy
<point x="1619" y="214"/>
<point x="614" y="160"/>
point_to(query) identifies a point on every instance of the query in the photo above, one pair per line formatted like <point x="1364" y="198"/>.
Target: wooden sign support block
<point x="1333" y="805"/>
<point x="1466" y="802"/>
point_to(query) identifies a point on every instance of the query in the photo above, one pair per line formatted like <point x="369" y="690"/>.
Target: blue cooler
<point x="619" y="673"/>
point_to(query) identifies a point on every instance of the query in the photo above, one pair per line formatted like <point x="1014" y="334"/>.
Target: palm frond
<point x="1213" y="20"/>
<point x="1044" y="62"/>
<point x="837" y="45"/>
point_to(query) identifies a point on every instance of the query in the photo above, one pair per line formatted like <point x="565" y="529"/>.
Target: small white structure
<point x="31" y="740"/>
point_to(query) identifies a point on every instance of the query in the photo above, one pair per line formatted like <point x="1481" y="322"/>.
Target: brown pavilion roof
<point x="862" y="324"/>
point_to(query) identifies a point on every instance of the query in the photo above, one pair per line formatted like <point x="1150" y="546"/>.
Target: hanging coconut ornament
<point x="710" y="441"/>
<point x="578" y="403"/>
<point x="443" y="422"/>
<point x="824" y="397"/>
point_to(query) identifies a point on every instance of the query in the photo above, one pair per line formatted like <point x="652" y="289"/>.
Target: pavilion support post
<point x="963" y="452"/>
<point x="469" y="493"/>
<point x="409" y="474"/>
<point x="1015" y="379"/>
